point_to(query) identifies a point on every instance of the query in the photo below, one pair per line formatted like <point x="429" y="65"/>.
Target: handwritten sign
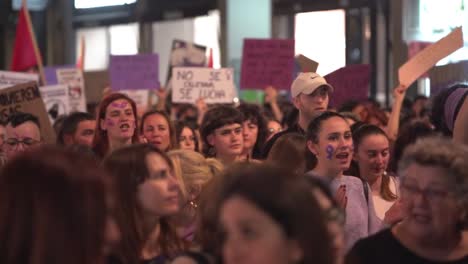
<point x="140" y="97"/>
<point x="56" y="100"/>
<point x="428" y="57"/>
<point x="185" y="54"/>
<point x="267" y="62"/>
<point x="213" y="85"/>
<point x="134" y="72"/>
<point x="8" y="79"/>
<point x="26" y="98"/>
<point x="349" y="83"/>
<point x="76" y="90"/>
<point x="50" y="73"/>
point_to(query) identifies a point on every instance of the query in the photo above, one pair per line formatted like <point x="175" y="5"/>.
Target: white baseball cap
<point x="307" y="83"/>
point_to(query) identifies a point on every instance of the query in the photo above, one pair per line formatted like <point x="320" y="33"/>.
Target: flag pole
<point x="37" y="53"/>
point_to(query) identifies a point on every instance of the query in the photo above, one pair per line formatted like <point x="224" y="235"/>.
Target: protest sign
<point x="76" y="90"/>
<point x="26" y="98"/>
<point x="185" y="54"/>
<point x="349" y="83"/>
<point x="56" y="100"/>
<point x="306" y="64"/>
<point x="428" y="57"/>
<point x="50" y="73"/>
<point x="141" y="99"/>
<point x="267" y="62"/>
<point x="134" y="72"/>
<point x="8" y="79"/>
<point x="213" y="85"/>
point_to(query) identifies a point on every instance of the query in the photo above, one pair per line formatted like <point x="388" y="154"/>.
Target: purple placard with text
<point x="50" y="73"/>
<point x="349" y="83"/>
<point x="267" y="62"/>
<point x="134" y="72"/>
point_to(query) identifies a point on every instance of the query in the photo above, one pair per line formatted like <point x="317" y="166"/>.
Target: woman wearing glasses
<point x="434" y="192"/>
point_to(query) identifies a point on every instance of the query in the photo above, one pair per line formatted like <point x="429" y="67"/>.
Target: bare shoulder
<point x="183" y="260"/>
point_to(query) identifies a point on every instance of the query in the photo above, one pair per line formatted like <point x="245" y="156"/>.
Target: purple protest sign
<point x="350" y="83"/>
<point x="134" y="72"/>
<point x="50" y="73"/>
<point x="267" y="62"/>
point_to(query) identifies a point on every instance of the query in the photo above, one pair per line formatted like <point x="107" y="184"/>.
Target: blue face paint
<point x="330" y="151"/>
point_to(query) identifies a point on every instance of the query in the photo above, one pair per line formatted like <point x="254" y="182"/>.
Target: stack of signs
<point x="73" y="77"/>
<point x="267" y="62"/>
<point x="8" y="79"/>
<point x="186" y="54"/>
<point x="56" y="100"/>
<point x="26" y="98"/>
<point x="135" y="75"/>
<point x="213" y="85"/>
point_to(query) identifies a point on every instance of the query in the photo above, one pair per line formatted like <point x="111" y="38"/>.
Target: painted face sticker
<point x="120" y="105"/>
<point x="110" y="123"/>
<point x="330" y="151"/>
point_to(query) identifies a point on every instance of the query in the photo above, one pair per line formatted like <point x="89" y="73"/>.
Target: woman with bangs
<point x="147" y="196"/>
<point x="117" y="124"/>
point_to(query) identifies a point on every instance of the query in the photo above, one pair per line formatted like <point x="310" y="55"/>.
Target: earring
<point x="193" y="204"/>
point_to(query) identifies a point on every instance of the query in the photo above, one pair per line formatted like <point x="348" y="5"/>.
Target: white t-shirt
<point x="381" y="206"/>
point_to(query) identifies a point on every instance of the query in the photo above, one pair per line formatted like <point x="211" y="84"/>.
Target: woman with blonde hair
<point x="194" y="172"/>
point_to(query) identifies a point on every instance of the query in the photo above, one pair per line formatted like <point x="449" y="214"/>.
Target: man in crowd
<point x="22" y="132"/>
<point x="77" y="129"/>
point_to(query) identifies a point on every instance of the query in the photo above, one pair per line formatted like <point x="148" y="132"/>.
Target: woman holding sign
<point x="116" y="124"/>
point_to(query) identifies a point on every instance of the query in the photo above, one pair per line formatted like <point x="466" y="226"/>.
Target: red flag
<point x="210" y="58"/>
<point x="24" y="56"/>
<point x="81" y="58"/>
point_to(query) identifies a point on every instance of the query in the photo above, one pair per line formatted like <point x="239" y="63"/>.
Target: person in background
<point x="157" y="130"/>
<point x="77" y="129"/>
<point x="274" y="127"/>
<point x="55" y="207"/>
<point x="310" y="93"/>
<point x="58" y="123"/>
<point x="434" y="192"/>
<point x="23" y="131"/>
<point x="186" y="136"/>
<point x="358" y="109"/>
<point x="330" y="141"/>
<point x="254" y="131"/>
<point x="419" y="105"/>
<point x="193" y="171"/>
<point x="350" y="117"/>
<point x="289" y="152"/>
<point x="147" y="196"/>
<point x="117" y="124"/>
<point x="372" y="154"/>
<point x="221" y="133"/>
<point x="2" y="141"/>
<point x="269" y="215"/>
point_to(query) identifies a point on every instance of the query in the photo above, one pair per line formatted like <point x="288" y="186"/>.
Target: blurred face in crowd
<point x="430" y="209"/>
<point x="361" y="111"/>
<point x="373" y="155"/>
<point x="156" y="131"/>
<point x="119" y="121"/>
<point x="273" y="128"/>
<point x="249" y="133"/>
<point x="227" y="140"/>
<point x="187" y="139"/>
<point x="251" y="236"/>
<point x="83" y="135"/>
<point x="21" y="137"/>
<point x="310" y="105"/>
<point x="335" y="221"/>
<point x="334" y="149"/>
<point x="159" y="193"/>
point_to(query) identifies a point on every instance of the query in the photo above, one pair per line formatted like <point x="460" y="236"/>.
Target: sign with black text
<point x="215" y="86"/>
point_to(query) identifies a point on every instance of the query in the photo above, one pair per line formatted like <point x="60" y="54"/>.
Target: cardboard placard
<point x="76" y="90"/>
<point x="428" y="57"/>
<point x="50" y="73"/>
<point x="267" y="62"/>
<point x="213" y="85"/>
<point x="26" y="98"/>
<point x="56" y="100"/>
<point x="349" y="83"/>
<point x="134" y="72"/>
<point x="306" y="64"/>
<point x="141" y="98"/>
<point x="8" y="79"/>
<point x="185" y="54"/>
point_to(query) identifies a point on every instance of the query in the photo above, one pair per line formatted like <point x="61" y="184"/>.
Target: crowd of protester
<point x="290" y="181"/>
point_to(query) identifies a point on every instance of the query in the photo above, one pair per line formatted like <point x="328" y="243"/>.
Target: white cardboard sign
<point x="429" y="56"/>
<point x="8" y="79"/>
<point x="213" y="85"/>
<point x="56" y="100"/>
<point x="73" y="77"/>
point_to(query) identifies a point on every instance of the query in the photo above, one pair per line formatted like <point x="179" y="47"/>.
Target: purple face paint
<point x="120" y="105"/>
<point x="330" y="151"/>
<point x="110" y="123"/>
